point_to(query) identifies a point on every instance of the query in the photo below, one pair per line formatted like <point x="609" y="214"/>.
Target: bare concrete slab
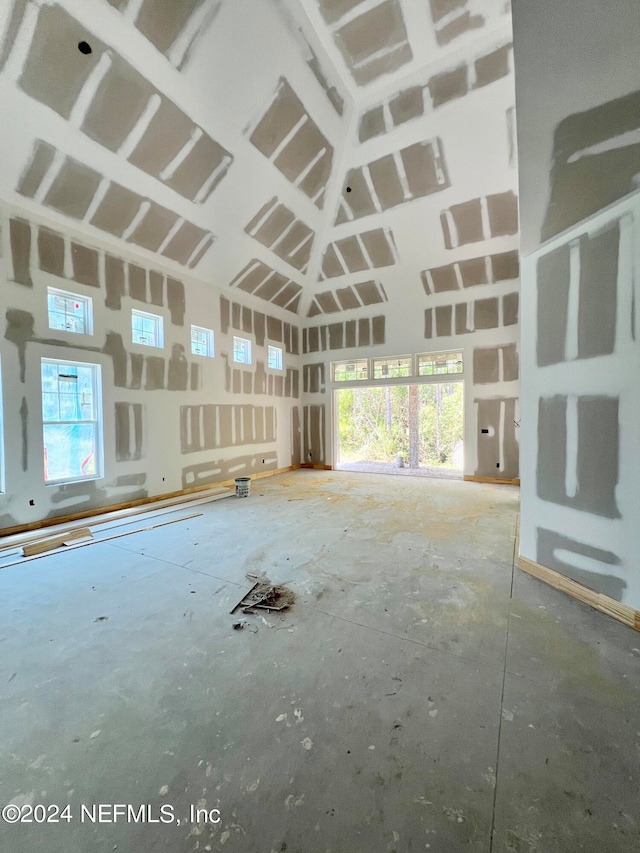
<point x="420" y="692"/>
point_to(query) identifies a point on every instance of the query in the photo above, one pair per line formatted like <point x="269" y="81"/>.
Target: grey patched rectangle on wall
<point x="129" y="431"/>
<point x="598" y="292"/>
<point x="313" y="378"/>
<point x="343" y="335"/>
<point x="496" y="458"/>
<point x="596" y="457"/>
<point x="20" y="237"/>
<point x="51" y="251"/>
<point x="307" y="144"/>
<point x="314" y="424"/>
<point x="553" y="300"/>
<point x="549" y="543"/>
<point x="211" y="426"/>
<point x="486" y="365"/>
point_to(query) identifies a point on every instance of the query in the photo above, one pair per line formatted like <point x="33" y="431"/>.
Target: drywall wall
<point x="577" y="85"/>
<point x="423" y="253"/>
<point x="578" y="97"/>
<point x="170" y="151"/>
<point x="211" y="159"/>
<point x="171" y="420"/>
<point x="146" y="165"/>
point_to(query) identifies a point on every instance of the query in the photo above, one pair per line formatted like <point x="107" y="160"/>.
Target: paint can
<point x="243" y="486"/>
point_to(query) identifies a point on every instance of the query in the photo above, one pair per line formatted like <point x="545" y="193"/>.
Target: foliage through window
<point x="69" y="312"/>
<point x="147" y="329"/>
<point x="440" y="363"/>
<point x="202" y="341"/>
<point x="346" y="371"/>
<point x="72" y="437"/>
<point x="241" y="350"/>
<point x="275" y="358"/>
<point x="392" y="368"/>
<point x="379" y="423"/>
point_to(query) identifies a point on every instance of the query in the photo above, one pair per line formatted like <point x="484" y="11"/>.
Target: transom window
<point x="147" y="329"/>
<point x="70" y="312"/>
<point x="434" y="364"/>
<point x="392" y="368"/>
<point x="71" y="417"/>
<point x="274" y="358"/>
<point x="347" y="371"/>
<point x="242" y="350"/>
<point x="202" y="341"/>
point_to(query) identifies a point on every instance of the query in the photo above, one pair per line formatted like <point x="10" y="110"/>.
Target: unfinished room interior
<point x="320" y="426"/>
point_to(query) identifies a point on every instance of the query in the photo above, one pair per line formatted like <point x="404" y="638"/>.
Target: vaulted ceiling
<point x="321" y="155"/>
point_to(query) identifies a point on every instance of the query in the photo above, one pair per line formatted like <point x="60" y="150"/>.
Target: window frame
<point x="447" y="354"/>
<point x="249" y="350"/>
<point x="2" y="459"/>
<point x="354" y="361"/>
<point x="210" y="341"/>
<point x="158" y="319"/>
<point x="87" y="301"/>
<point x="280" y="358"/>
<point x="97" y="421"/>
<point x="405" y="358"/>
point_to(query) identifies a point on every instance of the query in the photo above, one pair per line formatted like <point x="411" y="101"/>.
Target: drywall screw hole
<point x="84" y="47"/>
<point x="32" y="503"/>
<point x="348" y="189"/>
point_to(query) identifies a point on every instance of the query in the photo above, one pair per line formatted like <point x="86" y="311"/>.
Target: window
<point x="1" y="438"/>
<point x="202" y="341"/>
<point x="346" y="371"/>
<point x="436" y="364"/>
<point x="242" y="350"/>
<point x="71" y="421"/>
<point x="146" y="329"/>
<point x="392" y="368"/>
<point x="70" y="312"/>
<point x="274" y="359"/>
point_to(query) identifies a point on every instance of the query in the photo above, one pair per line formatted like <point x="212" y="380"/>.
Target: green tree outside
<point x="374" y="423"/>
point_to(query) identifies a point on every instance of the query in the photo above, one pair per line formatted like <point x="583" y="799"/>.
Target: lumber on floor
<point x="80" y="534"/>
<point x="501" y="481"/>
<point x="116" y="518"/>
<point x="182" y="496"/>
<point x="43" y="548"/>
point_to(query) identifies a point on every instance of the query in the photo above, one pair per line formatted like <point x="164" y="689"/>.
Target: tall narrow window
<point x="147" y="329"/>
<point x="274" y="358"/>
<point x="202" y="341"/>
<point x="71" y="417"/>
<point x="2" y="485"/>
<point x="70" y="312"/>
<point x="242" y="350"/>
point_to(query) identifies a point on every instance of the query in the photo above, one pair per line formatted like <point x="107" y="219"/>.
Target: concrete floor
<point x="390" y="468"/>
<point x="420" y="695"/>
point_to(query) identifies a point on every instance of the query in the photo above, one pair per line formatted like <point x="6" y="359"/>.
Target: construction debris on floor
<point x="264" y="595"/>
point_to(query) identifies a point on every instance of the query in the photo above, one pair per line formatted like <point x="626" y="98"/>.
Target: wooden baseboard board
<point x="193" y="492"/>
<point x="316" y="467"/>
<point x="264" y="474"/>
<point x="627" y="615"/>
<point x="501" y="481"/>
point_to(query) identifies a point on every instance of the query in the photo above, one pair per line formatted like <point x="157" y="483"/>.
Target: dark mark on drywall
<point x="24" y="432"/>
<point x="178" y="369"/>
